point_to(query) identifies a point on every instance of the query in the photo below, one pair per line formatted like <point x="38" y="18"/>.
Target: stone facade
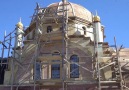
<point x="53" y="53"/>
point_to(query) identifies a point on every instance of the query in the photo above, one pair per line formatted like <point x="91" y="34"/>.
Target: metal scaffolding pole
<point x="3" y="43"/>
<point x="98" y="67"/>
<point x="119" y="66"/>
<point x="64" y="40"/>
<point x="37" y="42"/>
<point x="9" y="50"/>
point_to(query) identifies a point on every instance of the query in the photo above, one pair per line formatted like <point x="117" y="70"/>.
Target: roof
<point x="74" y="10"/>
<point x="124" y="52"/>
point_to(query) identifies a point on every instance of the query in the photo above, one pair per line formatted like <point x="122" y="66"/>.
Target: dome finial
<point x="19" y="24"/>
<point x="64" y="0"/>
<point x="96" y="13"/>
<point x="20" y="20"/>
<point x="96" y="17"/>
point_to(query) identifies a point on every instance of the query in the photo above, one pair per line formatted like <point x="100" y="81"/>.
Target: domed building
<point x="63" y="48"/>
<point x="66" y="37"/>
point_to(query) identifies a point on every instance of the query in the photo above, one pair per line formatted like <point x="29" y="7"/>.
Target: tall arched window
<point x="49" y="29"/>
<point x="74" y="68"/>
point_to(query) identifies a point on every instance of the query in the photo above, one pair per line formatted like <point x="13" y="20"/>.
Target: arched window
<point x="49" y="29"/>
<point x="74" y="68"/>
<point x="55" y="69"/>
<point x="84" y="29"/>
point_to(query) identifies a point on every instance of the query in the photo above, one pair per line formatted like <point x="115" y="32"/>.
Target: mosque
<point x="63" y="49"/>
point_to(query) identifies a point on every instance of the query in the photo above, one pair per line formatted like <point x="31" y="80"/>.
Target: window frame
<point x="59" y="69"/>
<point x="49" y="29"/>
<point x="38" y="71"/>
<point x="74" y="68"/>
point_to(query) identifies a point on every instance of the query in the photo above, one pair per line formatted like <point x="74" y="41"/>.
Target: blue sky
<point x="114" y="16"/>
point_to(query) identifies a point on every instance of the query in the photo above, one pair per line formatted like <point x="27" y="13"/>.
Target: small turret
<point x="18" y="39"/>
<point x="19" y="34"/>
<point x="98" y="34"/>
<point x="98" y="28"/>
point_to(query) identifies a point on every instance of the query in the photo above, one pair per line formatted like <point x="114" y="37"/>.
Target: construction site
<point x="62" y="49"/>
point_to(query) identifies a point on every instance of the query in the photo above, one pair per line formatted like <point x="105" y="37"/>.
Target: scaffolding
<point x="42" y="39"/>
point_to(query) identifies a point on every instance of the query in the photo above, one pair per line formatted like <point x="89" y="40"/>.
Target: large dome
<point x="74" y="10"/>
